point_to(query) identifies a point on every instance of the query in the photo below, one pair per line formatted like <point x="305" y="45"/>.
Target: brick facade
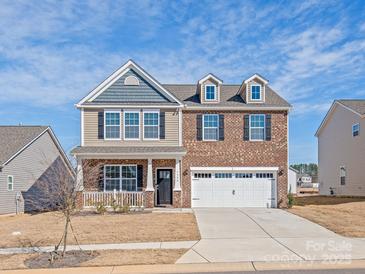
<point x="234" y="151"/>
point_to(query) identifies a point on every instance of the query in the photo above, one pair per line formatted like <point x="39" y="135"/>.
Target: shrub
<point x="100" y="208"/>
<point x="290" y="200"/>
<point x="124" y="208"/>
<point x="115" y="206"/>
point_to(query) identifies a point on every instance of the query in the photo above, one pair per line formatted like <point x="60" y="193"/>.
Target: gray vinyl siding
<point x="120" y="93"/>
<point x="91" y="131"/>
<point x="27" y="168"/>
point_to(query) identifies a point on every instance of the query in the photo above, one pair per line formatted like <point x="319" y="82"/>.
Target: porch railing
<point x="133" y="199"/>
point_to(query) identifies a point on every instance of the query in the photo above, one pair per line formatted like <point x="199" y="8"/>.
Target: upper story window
<point x="151" y="125"/>
<point x="355" y="130"/>
<point x="112" y="125"/>
<point x="257" y="127"/>
<point x="10" y="181"/>
<point x="210" y="92"/>
<point x="131" y="125"/>
<point x="210" y="127"/>
<point x="256" y="92"/>
<point x="342" y="175"/>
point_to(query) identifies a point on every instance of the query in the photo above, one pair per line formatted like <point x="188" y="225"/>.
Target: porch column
<point x="149" y="176"/>
<point x="79" y="176"/>
<point x="177" y="186"/>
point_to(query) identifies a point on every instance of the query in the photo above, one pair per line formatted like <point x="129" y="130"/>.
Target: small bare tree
<point x="58" y="189"/>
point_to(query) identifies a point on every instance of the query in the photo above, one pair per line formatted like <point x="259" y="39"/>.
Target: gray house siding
<point x="144" y="92"/>
<point x="27" y="168"/>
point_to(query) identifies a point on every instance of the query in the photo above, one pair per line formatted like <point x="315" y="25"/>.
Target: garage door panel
<point x="233" y="192"/>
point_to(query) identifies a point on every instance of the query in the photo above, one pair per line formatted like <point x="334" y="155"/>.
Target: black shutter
<point x="101" y="125"/>
<point x="101" y="178"/>
<point x="221" y="127"/>
<point x="268" y="127"/>
<point x="199" y="133"/>
<point x="162" y="125"/>
<point x="246" y="127"/>
<point x="139" y="177"/>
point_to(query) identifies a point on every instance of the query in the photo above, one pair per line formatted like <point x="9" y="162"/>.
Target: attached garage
<point x="233" y="187"/>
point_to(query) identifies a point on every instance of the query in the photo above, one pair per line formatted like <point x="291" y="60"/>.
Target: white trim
<point x="261" y="92"/>
<point x="139" y="124"/>
<point x="352" y="132"/>
<point x="121" y="106"/>
<point x="329" y="112"/>
<point x="12" y="183"/>
<point x="105" y="125"/>
<point x="234" y="168"/>
<point x="82" y="126"/>
<point x="253" y="108"/>
<point x="158" y="124"/>
<point x="203" y="117"/>
<point x="180" y="127"/>
<point x="257" y="140"/>
<point x="117" y="74"/>
<point x="215" y="93"/>
<point x="256" y="76"/>
<point x="210" y="75"/>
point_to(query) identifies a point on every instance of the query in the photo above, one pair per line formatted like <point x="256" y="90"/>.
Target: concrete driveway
<point x="255" y="234"/>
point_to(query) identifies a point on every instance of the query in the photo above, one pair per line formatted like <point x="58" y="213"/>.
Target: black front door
<point x="164" y="186"/>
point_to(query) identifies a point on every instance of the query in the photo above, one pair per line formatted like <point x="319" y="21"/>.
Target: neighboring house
<point x="292" y="180"/>
<point x="184" y="145"/>
<point x="304" y="179"/>
<point x="29" y="158"/>
<point x="341" y="149"/>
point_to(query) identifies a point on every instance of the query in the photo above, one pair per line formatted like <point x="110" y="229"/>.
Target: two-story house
<point x="341" y="149"/>
<point x="198" y="145"/>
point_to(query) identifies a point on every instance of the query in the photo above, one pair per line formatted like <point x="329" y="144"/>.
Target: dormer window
<point x="256" y="92"/>
<point x="210" y="93"/>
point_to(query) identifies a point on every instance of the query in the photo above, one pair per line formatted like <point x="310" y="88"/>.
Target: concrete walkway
<point x="252" y="234"/>
<point x="122" y="246"/>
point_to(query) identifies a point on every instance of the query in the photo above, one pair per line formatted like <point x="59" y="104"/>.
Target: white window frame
<point x="203" y="127"/>
<point x="358" y="130"/>
<point x="121" y="178"/>
<point x="256" y="85"/>
<point x="139" y="124"/>
<point x="8" y="184"/>
<point x="264" y="137"/>
<point x="158" y="124"/>
<point x="215" y="92"/>
<point x="105" y="125"/>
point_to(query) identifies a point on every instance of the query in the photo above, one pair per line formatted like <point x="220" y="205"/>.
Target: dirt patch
<point x="94" y="258"/>
<point x="343" y="215"/>
<point x="46" y="228"/>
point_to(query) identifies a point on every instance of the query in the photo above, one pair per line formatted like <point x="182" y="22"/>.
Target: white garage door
<point x="233" y="189"/>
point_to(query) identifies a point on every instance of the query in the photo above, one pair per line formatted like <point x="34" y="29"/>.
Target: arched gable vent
<point x="131" y="81"/>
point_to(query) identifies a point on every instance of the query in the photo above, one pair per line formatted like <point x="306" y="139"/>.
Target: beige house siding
<point x="336" y="148"/>
<point x="91" y="131"/>
<point x="26" y="168"/>
<point x="202" y="91"/>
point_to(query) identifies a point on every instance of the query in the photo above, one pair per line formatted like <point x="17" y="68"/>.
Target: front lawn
<point x="46" y="228"/>
<point x="343" y="215"/>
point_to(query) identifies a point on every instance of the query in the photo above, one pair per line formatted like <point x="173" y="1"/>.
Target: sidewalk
<point x="194" y="268"/>
<point x="91" y="247"/>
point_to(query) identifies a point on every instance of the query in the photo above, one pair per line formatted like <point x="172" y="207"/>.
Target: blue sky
<point x="53" y="54"/>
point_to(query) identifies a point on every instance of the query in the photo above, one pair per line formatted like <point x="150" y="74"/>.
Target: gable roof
<point x="230" y="98"/>
<point x="115" y="93"/>
<point x="210" y="75"/>
<point x="15" y="139"/>
<point x="257" y="76"/>
<point x="356" y="106"/>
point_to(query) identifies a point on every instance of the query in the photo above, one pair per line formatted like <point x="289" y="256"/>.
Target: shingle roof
<point x="128" y="150"/>
<point x="13" y="138"/>
<point x="356" y="105"/>
<point x="228" y="97"/>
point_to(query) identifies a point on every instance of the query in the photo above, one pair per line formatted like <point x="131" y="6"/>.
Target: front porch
<point x="134" y="179"/>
